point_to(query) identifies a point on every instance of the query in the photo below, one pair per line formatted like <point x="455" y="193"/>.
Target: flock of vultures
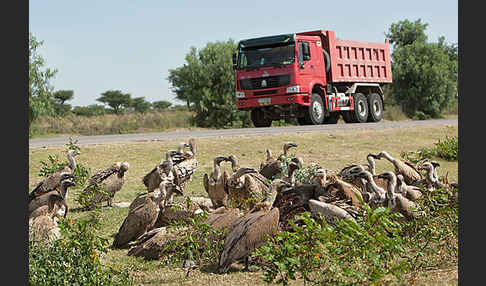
<point x="246" y="203"/>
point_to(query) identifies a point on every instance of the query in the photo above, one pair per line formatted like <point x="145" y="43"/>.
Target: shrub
<point x="448" y="148"/>
<point x="74" y="259"/>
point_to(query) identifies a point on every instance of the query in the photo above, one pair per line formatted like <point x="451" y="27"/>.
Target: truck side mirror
<point x="234" y="61"/>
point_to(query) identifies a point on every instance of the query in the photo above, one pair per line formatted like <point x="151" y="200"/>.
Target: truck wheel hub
<point x="361" y="108"/>
<point x="376" y="108"/>
<point x="317" y="109"/>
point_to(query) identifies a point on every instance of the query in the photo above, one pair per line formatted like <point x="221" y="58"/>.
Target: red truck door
<point x="306" y="66"/>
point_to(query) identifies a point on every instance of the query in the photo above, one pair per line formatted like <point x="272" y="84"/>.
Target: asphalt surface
<point x="175" y="135"/>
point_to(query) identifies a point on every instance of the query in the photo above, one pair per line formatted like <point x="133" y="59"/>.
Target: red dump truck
<point x="311" y="76"/>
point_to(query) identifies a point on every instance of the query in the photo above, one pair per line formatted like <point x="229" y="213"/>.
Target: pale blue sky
<point x="131" y="45"/>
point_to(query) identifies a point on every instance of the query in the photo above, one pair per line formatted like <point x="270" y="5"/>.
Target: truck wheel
<point x="375" y="107"/>
<point x="360" y="113"/>
<point x="258" y="118"/>
<point x="332" y="118"/>
<point x="315" y="112"/>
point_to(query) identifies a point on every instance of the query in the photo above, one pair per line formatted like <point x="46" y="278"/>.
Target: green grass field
<point x="332" y="151"/>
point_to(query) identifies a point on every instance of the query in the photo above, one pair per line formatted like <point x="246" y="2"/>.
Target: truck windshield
<point x="254" y="57"/>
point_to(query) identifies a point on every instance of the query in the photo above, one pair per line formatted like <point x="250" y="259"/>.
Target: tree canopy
<point x="115" y="99"/>
<point x="424" y="74"/>
<point x="206" y="83"/>
<point x="40" y="88"/>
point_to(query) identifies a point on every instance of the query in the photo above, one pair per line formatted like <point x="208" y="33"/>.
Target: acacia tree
<point x="40" y="88"/>
<point x="139" y="104"/>
<point x="206" y="83"/>
<point x="424" y="74"/>
<point x="60" y="97"/>
<point x="161" y="104"/>
<point x="115" y="99"/>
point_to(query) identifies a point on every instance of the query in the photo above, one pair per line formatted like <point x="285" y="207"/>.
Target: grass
<point x="332" y="151"/>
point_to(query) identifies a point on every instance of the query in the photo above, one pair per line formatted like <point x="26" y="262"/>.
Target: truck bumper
<point x="251" y="102"/>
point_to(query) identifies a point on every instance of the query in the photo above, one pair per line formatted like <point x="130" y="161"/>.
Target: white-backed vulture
<point x="43" y="200"/>
<point x="54" y="204"/>
<point x="292" y="167"/>
<point x="106" y="183"/>
<point x="431" y="179"/>
<point x="412" y="193"/>
<point x="247" y="232"/>
<point x="43" y="226"/>
<point x="328" y="210"/>
<point x="410" y="173"/>
<point x="372" y="193"/>
<point x="138" y="221"/>
<point x="184" y="170"/>
<point x="53" y="181"/>
<point x="351" y="170"/>
<point x="344" y="190"/>
<point x="153" y="178"/>
<point x="215" y="183"/>
<point x="246" y="187"/>
<point x="286" y="148"/>
<point x="271" y="168"/>
<point x="398" y="203"/>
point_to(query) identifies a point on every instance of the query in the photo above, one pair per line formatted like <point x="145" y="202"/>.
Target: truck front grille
<point x="270" y="82"/>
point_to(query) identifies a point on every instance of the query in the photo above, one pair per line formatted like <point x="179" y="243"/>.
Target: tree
<point x="139" y="104"/>
<point x="161" y="104"/>
<point x="90" y="110"/>
<point x="62" y="96"/>
<point x="206" y="83"/>
<point x="40" y="88"/>
<point x="406" y="32"/>
<point x="424" y="74"/>
<point x="115" y="99"/>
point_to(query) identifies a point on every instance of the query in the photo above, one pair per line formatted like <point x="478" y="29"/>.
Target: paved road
<point x="174" y="135"/>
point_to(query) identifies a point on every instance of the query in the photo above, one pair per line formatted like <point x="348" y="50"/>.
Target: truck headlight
<point x="293" y="89"/>
<point x="239" y="94"/>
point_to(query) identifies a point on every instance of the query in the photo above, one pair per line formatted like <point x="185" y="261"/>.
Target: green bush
<point x="74" y="259"/>
<point x="448" y="148"/>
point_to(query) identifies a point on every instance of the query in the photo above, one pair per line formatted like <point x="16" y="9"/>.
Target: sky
<point x="131" y="45"/>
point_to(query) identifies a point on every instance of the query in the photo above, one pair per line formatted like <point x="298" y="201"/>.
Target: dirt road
<point x="175" y="135"/>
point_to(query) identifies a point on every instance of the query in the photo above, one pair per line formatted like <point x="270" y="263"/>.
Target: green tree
<point x="161" y="104"/>
<point x="406" y="32"/>
<point x="40" y="88"/>
<point x="60" y="97"/>
<point x="139" y="104"/>
<point x="206" y="83"/>
<point x="424" y="74"/>
<point x="115" y="99"/>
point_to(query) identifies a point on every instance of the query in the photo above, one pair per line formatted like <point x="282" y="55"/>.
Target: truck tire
<point x="375" y="107"/>
<point x="258" y="118"/>
<point x="304" y="121"/>
<point x="332" y="118"/>
<point x="360" y="112"/>
<point x="315" y="111"/>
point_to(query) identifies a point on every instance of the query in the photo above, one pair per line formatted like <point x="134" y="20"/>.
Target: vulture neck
<point x="392" y="183"/>
<point x="217" y="169"/>
<point x="72" y="161"/>
<point x="372" y="164"/>
<point x="430" y="175"/>
<point x="378" y="190"/>
<point x="388" y="157"/>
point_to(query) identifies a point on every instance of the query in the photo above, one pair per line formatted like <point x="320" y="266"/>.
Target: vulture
<point x="54" y="180"/>
<point x="344" y="190"/>
<point x="54" y="204"/>
<point x="184" y="170"/>
<point x="272" y="168"/>
<point x="328" y="210"/>
<point x="410" y="174"/>
<point x="372" y="192"/>
<point x="215" y="183"/>
<point x="110" y="181"/>
<point x="43" y="226"/>
<point x="290" y="177"/>
<point x="248" y="232"/>
<point x="412" y="193"/>
<point x="396" y="202"/>
<point x="152" y="179"/>
<point x="138" y="221"/>
<point x="61" y="190"/>
<point x="431" y="178"/>
<point x="246" y="187"/>
<point x="349" y="171"/>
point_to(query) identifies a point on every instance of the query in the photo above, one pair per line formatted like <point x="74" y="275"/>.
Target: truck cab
<point x="290" y="76"/>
